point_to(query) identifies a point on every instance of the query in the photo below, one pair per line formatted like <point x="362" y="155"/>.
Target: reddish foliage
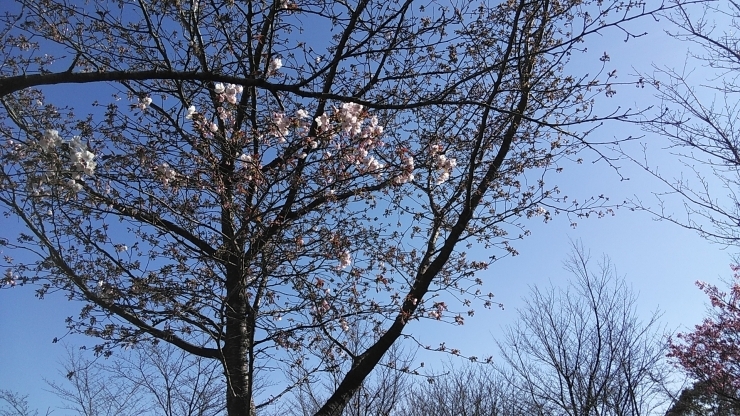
<point x="711" y="353"/>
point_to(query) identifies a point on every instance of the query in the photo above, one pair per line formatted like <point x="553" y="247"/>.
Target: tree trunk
<point x="239" y="327"/>
<point x="238" y="400"/>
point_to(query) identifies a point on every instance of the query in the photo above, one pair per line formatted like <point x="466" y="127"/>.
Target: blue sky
<point x="660" y="260"/>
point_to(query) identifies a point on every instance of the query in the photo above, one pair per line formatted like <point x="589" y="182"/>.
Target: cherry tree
<point x="711" y="353"/>
<point x="258" y="183"/>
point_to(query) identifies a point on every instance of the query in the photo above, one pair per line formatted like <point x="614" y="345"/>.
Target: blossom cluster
<point x="354" y="132"/>
<point x="82" y="160"/>
<point x="165" y="173"/>
<point x="9" y="278"/>
<point x="438" y="309"/>
<point x="50" y="140"/>
<point x="407" y="163"/>
<point x="144" y="103"/>
<point x="539" y="212"/>
<point x="345" y="259"/>
<point x="191" y="112"/>
<point x="443" y="165"/>
<point x="274" y="66"/>
<point x="282" y="124"/>
<point x="228" y="92"/>
<point x="367" y="162"/>
<point x="350" y="119"/>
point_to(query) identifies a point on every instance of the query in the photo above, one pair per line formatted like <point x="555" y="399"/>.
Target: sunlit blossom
<point x="408" y="168"/>
<point x="144" y="103"/>
<point x="281" y="124"/>
<point x="82" y="159"/>
<point x="74" y="185"/>
<point x="345" y="259"/>
<point x="322" y="122"/>
<point x="350" y="119"/>
<point x="444" y="166"/>
<point x="50" y="140"/>
<point x="231" y="92"/>
<point x="191" y="112"/>
<point x="228" y="92"/>
<point x="165" y="173"/>
<point x="275" y="65"/>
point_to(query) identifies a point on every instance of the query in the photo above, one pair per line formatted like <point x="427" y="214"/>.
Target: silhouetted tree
<point x="466" y="390"/>
<point x="14" y="404"/>
<point x="152" y="379"/>
<point x="699" y="116"/>
<point x="582" y="350"/>
<point x="698" y="401"/>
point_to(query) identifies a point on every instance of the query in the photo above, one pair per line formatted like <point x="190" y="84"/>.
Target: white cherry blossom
<point x="144" y="103"/>
<point x="275" y="65"/>
<point x="322" y="122"/>
<point x="50" y="140"/>
<point x="165" y="173"/>
<point x="191" y="112"/>
<point x="345" y="259"/>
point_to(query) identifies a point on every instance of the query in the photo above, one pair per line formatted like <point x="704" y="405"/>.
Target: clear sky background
<point x="660" y="260"/>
